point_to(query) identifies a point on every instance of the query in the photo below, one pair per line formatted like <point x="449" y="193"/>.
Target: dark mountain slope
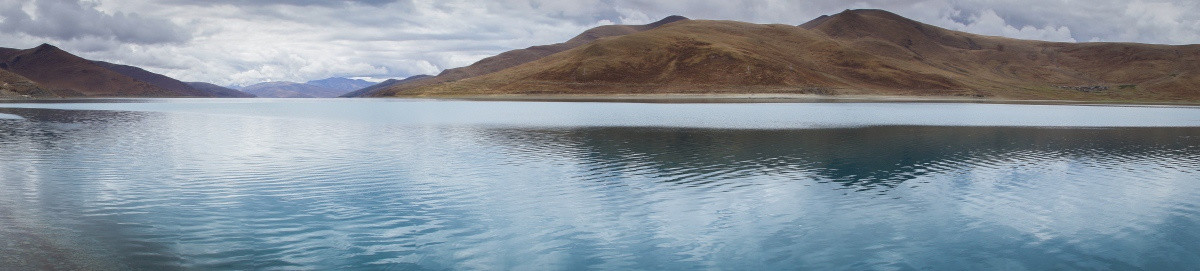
<point x="155" y="79"/>
<point x="16" y="86"/>
<point x="68" y="75"/>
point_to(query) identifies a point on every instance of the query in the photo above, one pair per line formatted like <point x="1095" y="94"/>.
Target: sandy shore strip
<point x="680" y="98"/>
<point x="775" y="98"/>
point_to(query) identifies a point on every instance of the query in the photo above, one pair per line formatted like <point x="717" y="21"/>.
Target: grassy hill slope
<point x="854" y="52"/>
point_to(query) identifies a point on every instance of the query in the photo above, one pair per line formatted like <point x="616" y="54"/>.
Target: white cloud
<point x="989" y="23"/>
<point x="1161" y="19"/>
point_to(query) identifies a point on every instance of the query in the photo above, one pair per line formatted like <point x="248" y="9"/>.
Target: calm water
<point x="442" y="185"/>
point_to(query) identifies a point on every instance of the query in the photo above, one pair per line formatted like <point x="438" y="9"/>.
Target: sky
<point x="242" y="42"/>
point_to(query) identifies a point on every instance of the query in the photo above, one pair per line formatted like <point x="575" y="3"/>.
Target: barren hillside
<point x="853" y="52"/>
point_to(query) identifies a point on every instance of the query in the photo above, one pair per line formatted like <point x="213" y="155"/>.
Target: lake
<point x="396" y="184"/>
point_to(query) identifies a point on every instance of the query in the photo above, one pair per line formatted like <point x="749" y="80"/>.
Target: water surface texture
<point x="450" y="185"/>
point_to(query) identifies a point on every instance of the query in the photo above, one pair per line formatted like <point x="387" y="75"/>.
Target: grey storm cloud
<point x="250" y="41"/>
<point x="67" y="20"/>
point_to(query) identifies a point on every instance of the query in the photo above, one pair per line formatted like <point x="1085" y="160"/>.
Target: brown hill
<point x="16" y="86"/>
<point x="516" y="57"/>
<point x="68" y="75"/>
<point x="853" y="52"/>
<point x="385" y="84"/>
<point x="521" y="56"/>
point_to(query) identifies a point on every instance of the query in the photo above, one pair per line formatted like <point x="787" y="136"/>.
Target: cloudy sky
<point x="240" y="42"/>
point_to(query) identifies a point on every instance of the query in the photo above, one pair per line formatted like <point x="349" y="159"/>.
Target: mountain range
<point x="864" y="52"/>
<point x="855" y="52"/>
<point x="324" y="88"/>
<point x="47" y="71"/>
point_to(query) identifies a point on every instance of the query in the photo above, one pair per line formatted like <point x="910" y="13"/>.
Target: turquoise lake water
<point x="394" y="184"/>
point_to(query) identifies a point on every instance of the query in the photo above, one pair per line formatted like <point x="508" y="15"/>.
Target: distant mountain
<point x="324" y="88"/>
<point x="290" y="90"/>
<point x="385" y="84"/>
<point x="341" y="84"/>
<point x="219" y="91"/>
<point x="16" y="86"/>
<point x="865" y="52"/>
<point x="517" y="57"/>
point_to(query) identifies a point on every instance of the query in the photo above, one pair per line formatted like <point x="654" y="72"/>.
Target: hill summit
<point x="868" y="52"/>
<point x="512" y="58"/>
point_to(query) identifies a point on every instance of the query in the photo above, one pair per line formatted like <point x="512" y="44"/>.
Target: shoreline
<point x="677" y="98"/>
<point x="776" y="98"/>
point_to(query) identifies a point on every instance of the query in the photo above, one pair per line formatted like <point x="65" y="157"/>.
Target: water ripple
<point x="112" y="190"/>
